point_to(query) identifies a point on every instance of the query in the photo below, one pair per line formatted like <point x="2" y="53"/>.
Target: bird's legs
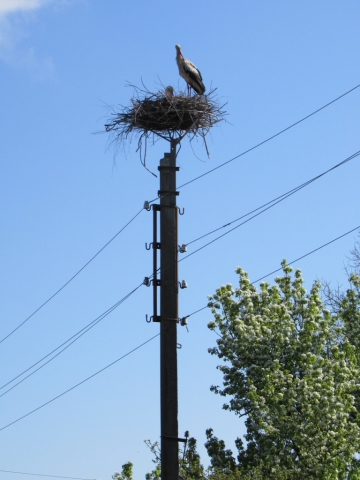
<point x="189" y="90"/>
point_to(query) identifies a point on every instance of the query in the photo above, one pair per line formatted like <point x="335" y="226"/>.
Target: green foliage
<point x="221" y="459"/>
<point x="190" y="466"/>
<point x="155" y="450"/>
<point x="292" y="368"/>
<point x="126" y="472"/>
<point x="189" y="462"/>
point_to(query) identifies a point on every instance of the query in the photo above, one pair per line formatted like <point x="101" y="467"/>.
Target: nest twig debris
<point x="170" y="117"/>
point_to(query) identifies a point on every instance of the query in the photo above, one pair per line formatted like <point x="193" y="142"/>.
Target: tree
<point x="223" y="465"/>
<point x="291" y="367"/>
<point x="334" y="296"/>
<point x="189" y="462"/>
<point x="126" y="472"/>
<point x="354" y="259"/>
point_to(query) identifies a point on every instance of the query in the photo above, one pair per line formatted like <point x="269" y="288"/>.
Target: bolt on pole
<point x="169" y="315"/>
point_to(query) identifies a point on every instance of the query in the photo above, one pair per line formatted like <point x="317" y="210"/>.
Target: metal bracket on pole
<point x="163" y="193"/>
<point x="156" y="246"/>
<point x="175" y="438"/>
<point x="160" y="319"/>
<point x="168" y="168"/>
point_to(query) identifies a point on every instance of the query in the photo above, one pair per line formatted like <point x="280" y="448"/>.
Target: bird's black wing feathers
<point x="196" y="79"/>
<point x="191" y="73"/>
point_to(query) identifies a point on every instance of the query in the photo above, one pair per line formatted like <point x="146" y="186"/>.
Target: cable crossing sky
<point x="72" y="278"/>
<point x="43" y="475"/>
<point x="187" y="183"/>
<point x="74" y="338"/>
<point x="288" y="263"/>
<point x="272" y="203"/>
<point x="80" y="383"/>
<point x="152" y="338"/>
<point x="266" y="140"/>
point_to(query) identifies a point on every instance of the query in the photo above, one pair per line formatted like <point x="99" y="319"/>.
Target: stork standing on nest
<point x="189" y="73"/>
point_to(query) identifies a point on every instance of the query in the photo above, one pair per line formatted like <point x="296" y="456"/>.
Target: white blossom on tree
<point x="291" y="367"/>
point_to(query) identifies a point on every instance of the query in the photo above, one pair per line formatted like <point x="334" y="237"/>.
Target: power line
<point x="74" y="338"/>
<point x="279" y="199"/>
<point x="309" y="253"/>
<point x="272" y="204"/>
<point x="289" y="263"/>
<point x="80" y="383"/>
<point x="270" y="138"/>
<point x="187" y="183"/>
<point x="42" y="475"/>
<point x="246" y="214"/>
<point x="268" y="205"/>
<point x="72" y="278"/>
<point x="265" y="141"/>
<point x="149" y="340"/>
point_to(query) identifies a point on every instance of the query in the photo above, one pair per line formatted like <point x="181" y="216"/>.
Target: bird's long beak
<point x="179" y="51"/>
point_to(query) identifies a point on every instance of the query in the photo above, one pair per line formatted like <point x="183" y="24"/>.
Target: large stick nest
<point x="165" y="114"/>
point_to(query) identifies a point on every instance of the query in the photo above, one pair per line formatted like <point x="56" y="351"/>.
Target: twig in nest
<point x="168" y="116"/>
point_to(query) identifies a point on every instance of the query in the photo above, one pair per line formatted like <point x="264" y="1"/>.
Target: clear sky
<point x="62" y="62"/>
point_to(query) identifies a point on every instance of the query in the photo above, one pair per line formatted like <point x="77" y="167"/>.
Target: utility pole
<point x="169" y="309"/>
<point x="170" y="116"/>
<point x="169" y="315"/>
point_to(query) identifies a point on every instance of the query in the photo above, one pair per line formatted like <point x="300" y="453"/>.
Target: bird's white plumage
<point x="189" y="72"/>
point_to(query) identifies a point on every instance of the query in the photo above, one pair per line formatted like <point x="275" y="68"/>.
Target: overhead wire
<point x="287" y="263"/>
<point x="264" y="141"/>
<point x="43" y="475"/>
<point x="277" y="200"/>
<point x="80" y="383"/>
<point x="309" y="253"/>
<point x="150" y="339"/>
<point x="272" y="203"/>
<point x="72" y="278"/>
<point x="268" y="205"/>
<point x="181" y="186"/>
<point x="74" y="338"/>
<point x="187" y="316"/>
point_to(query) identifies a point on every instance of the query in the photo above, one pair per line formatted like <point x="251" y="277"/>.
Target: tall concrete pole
<point x="169" y="289"/>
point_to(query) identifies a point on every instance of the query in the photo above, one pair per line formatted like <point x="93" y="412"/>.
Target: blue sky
<point x="64" y="195"/>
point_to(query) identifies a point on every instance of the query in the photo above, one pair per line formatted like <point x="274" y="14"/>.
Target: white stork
<point x="189" y="73"/>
